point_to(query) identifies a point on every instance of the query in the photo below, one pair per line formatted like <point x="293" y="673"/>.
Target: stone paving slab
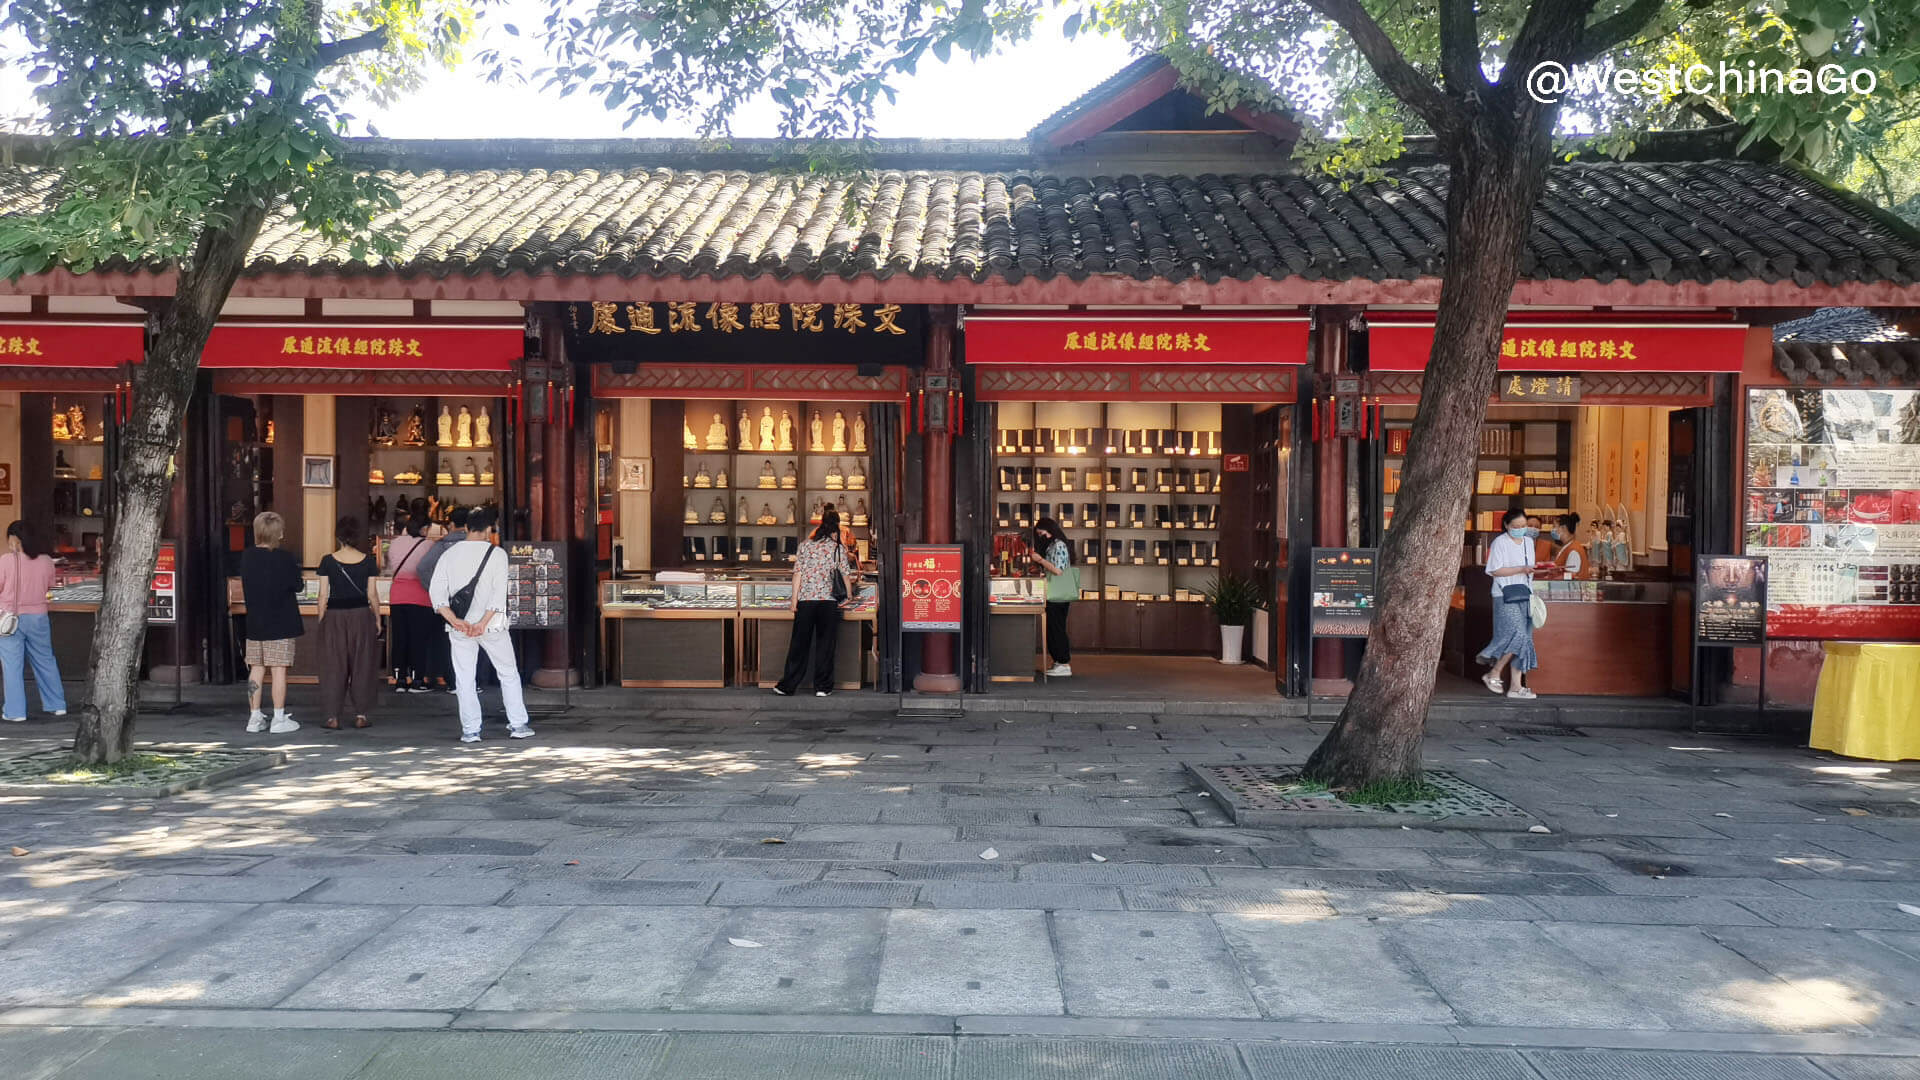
<point x="809" y="961"/>
<point x="1377" y="1062"/>
<point x="68" y="959"/>
<point x="254" y="961"/>
<point x="1512" y="974"/>
<point x="1148" y="964"/>
<point x="959" y="962"/>
<point x="1329" y="971"/>
<point x="209" y="888"/>
<point x="832" y="894"/>
<point x="608" y="958"/>
<point x="1043" y="1059"/>
<point x="820" y="1057"/>
<point x="431" y="958"/>
<point x="1650" y="910"/>
<point x="484" y="1056"/>
<point x="1593" y="1065"/>
<point x="595" y="891"/>
<point x="40" y="1053"/>
<point x="408" y="891"/>
<point x="1864" y="1068"/>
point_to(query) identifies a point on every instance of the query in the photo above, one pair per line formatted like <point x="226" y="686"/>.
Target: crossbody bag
<point x="462" y="601"/>
<point x="10" y="615"/>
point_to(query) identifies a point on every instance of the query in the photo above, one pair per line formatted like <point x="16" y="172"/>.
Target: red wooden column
<point x="1328" y="355"/>
<point x="550" y="449"/>
<point x="938" y="673"/>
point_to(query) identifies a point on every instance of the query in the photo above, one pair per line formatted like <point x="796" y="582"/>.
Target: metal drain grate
<point x="1543" y="732"/>
<point x="1262" y="788"/>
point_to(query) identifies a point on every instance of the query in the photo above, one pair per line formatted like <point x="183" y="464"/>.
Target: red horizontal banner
<point x="374" y="348"/>
<point x="70" y="345"/>
<point x="1845" y="622"/>
<point x="1106" y="338"/>
<point x="1576" y="347"/>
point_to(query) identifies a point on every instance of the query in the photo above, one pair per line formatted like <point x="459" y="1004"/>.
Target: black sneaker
<point x="783" y="693"/>
<point x="823" y="693"/>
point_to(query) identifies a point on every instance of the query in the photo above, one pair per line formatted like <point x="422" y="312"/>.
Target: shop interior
<point x="1609" y="629"/>
<point x="703" y="505"/>
<point x="65" y="486"/>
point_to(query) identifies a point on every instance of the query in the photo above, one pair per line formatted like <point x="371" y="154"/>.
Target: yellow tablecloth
<point x="1868" y="703"/>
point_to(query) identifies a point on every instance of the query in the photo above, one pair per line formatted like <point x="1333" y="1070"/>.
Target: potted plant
<point x="1233" y="599"/>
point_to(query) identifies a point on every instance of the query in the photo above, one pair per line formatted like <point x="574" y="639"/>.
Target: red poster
<point x="1844" y="622"/>
<point x="1108" y="338"/>
<point x="163" y="591"/>
<point x="930" y="587"/>
<point x="379" y="348"/>
<point x="1575" y="347"/>
<point x="1236" y="463"/>
<point x="70" y="345"/>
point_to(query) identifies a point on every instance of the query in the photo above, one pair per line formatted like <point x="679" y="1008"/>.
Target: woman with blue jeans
<point x="26" y="576"/>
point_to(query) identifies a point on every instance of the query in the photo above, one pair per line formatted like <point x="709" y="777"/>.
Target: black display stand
<point x="163" y="610"/>
<point x="537" y="599"/>
<point x="1729" y="612"/>
<point x="1343" y="596"/>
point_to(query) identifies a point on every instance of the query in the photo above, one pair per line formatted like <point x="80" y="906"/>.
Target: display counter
<point x="1607" y="638"/>
<point x="718" y="632"/>
<point x="72" y="606"/>
<point x="306" y="655"/>
<point x="1017" y="635"/>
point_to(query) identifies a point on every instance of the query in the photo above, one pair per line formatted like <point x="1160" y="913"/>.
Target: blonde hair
<point x="269" y="529"/>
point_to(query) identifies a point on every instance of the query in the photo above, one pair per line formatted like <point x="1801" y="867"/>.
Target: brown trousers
<point x="349" y="662"/>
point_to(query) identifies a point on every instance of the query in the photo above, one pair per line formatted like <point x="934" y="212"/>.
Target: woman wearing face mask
<point x="1510" y="564"/>
<point x="1573" y="561"/>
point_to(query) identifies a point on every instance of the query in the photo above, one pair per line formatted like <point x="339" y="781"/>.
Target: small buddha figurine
<point x="717" y="434"/>
<point x="446" y="426"/>
<point x="483" y="429"/>
<point x="469" y="473"/>
<point x="692" y="515"/>
<point x="839" y="432"/>
<point x="61" y="432"/>
<point x="816" y="434"/>
<point x="463" y="428"/>
<point x="836" y="479"/>
<point x="443" y="474"/>
<point x="766" y="427"/>
<point x="740" y="515"/>
<point x="718" y="514"/>
<point x="786" y="432"/>
<point x="383" y="429"/>
<point x="687" y="441"/>
<point x="858" y="480"/>
<point x="792" y="479"/>
<point x="766" y="515"/>
<point x="720" y="478"/>
<point x="703" y="478"/>
<point x="77" y="421"/>
<point x="415" y="433"/>
<point x="768" y="479"/>
<point x="792" y="511"/>
<point x="746" y="431"/>
<point x="859" y="433"/>
<point x="860" y="512"/>
<point x="486" y="470"/>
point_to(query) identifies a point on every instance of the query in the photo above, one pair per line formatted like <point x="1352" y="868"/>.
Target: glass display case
<point x="645" y="594"/>
<point x="1605" y="592"/>
<point x="1023" y="592"/>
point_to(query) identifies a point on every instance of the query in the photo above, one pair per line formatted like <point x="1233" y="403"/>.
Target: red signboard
<point x="164" y="589"/>
<point x="364" y="347"/>
<point x="1576" y="347"/>
<point x="930" y="587"/>
<point x="1844" y="622"/>
<point x="1106" y="338"/>
<point x="70" y="345"/>
<point x="1236" y="463"/>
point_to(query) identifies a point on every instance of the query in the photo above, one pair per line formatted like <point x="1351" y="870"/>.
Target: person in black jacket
<point x="270" y="584"/>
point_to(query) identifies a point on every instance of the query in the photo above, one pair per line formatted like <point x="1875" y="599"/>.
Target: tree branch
<point x="1405" y="81"/>
<point x="1614" y="29"/>
<point x="333" y="52"/>
<point x="1550" y="31"/>
<point x="1459" y="48"/>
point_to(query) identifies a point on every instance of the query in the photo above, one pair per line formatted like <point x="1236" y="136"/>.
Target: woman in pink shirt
<point x="26" y="576"/>
<point x="416" y="628"/>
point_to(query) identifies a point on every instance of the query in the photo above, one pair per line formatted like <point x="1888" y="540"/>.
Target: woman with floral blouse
<point x="816" y="613"/>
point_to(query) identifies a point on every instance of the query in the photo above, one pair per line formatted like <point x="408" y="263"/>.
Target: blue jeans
<point x="31" y="644"/>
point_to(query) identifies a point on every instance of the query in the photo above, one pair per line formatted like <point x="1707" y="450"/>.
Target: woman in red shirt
<point x="417" y="630"/>
<point x="26" y="576"/>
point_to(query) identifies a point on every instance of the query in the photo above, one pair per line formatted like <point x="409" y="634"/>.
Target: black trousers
<point x="1057" y="645"/>
<point x="419" y="639"/>
<point x="816" y="630"/>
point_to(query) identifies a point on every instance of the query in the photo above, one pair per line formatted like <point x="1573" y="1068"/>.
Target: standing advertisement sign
<point x="1729" y="612"/>
<point x="930" y="587"/>
<point x="1344" y="599"/>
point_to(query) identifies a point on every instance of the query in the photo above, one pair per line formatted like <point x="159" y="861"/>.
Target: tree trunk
<point x="148" y="442"/>
<point x="1498" y="170"/>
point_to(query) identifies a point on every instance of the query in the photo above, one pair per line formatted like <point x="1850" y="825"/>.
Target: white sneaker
<point x="256" y="723"/>
<point x="16" y="719"/>
<point x="519" y="733"/>
<point x="1493" y="683"/>
<point x="58" y="712"/>
<point x="470" y="736"/>
<point x="1521" y="693"/>
<point x="283" y="725"/>
<point x="1060" y="671"/>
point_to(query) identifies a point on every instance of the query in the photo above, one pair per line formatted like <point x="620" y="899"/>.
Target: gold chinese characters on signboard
<point x="19" y="346"/>
<point x="1551" y="348"/>
<point x="1129" y="341"/>
<point x="349" y="345"/>
<point x="1555" y="389"/>
<point x="686" y="317"/>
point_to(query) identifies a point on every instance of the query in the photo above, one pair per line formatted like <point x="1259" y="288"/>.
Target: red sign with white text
<point x="376" y="348"/>
<point x="1575" y="347"/>
<point x="70" y="345"/>
<point x="930" y="587"/>
<point x="1104" y="337"/>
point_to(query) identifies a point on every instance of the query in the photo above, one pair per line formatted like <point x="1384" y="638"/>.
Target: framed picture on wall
<point x="316" y="470"/>
<point x="636" y="474"/>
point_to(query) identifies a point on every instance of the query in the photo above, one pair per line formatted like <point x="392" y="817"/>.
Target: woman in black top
<point x="349" y="629"/>
<point x="270" y="586"/>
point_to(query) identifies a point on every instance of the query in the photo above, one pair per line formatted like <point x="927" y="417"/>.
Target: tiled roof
<point x="1638" y="221"/>
<point x="1119" y="80"/>
<point x="1839" y="324"/>
<point x="1880" y="362"/>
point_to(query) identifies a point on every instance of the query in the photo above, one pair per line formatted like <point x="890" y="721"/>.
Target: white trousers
<point x="466" y="658"/>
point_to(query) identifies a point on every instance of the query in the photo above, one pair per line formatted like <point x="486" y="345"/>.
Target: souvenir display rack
<point x="445" y="450"/>
<point x="1137" y="487"/>
<point x="714" y="632"/>
<point x="79" y="481"/>
<point x="1523" y="464"/>
<point x="757" y="475"/>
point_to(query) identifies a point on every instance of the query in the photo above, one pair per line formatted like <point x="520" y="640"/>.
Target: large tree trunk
<point x="148" y="442"/>
<point x="1498" y="170"/>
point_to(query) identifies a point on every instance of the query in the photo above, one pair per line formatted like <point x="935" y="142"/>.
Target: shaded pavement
<point x="608" y="900"/>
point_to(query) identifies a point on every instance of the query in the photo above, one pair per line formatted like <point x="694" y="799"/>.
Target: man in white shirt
<point x="483" y="626"/>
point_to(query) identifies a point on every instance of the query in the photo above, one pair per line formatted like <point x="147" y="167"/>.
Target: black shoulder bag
<point x="462" y="602"/>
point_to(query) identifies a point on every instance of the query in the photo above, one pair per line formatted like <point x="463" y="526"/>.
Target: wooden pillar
<point x="1329" y="357"/>
<point x="553" y="499"/>
<point x="938" y="675"/>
